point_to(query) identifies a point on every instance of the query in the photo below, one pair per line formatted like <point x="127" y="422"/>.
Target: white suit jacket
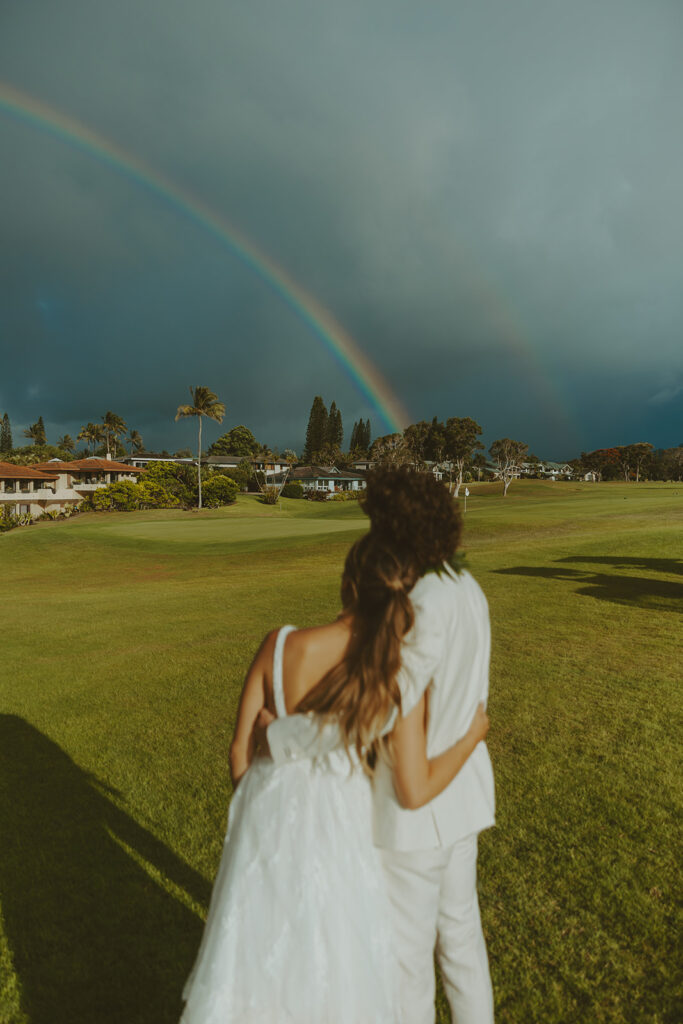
<point x="447" y="650"/>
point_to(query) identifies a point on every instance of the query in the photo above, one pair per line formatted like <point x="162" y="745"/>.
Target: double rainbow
<point x="338" y="342"/>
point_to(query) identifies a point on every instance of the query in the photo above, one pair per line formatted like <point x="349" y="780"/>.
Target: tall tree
<point x="335" y="428"/>
<point x="367" y="437"/>
<point x="66" y="442"/>
<point x="415" y="439"/>
<point x="479" y="463"/>
<point x="114" y="427"/>
<point x="508" y="456"/>
<point x="92" y="434"/>
<point x="204" y="403"/>
<point x="31" y="433"/>
<point x="316" y="431"/>
<point x="360" y="438"/>
<point x="668" y="463"/>
<point x="436" y="441"/>
<point x="237" y="441"/>
<point x="6" y="435"/>
<point x="36" y="432"/>
<point x="391" y="449"/>
<point x="462" y="440"/>
<point x="600" y="461"/>
<point x="135" y="441"/>
<point x="632" y="456"/>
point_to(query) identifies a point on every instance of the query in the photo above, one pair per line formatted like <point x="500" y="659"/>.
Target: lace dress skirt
<point x="298" y="927"/>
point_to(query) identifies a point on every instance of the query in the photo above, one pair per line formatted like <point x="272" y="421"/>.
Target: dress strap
<point x="278" y="690"/>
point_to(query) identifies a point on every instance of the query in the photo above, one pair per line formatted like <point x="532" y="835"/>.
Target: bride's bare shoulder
<point x="324" y="640"/>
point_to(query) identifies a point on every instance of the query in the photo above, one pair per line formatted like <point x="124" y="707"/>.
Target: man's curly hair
<point x="414" y="513"/>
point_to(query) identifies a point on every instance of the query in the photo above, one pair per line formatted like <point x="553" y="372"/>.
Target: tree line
<point x="110" y="434"/>
<point x="631" y="462"/>
<point x="453" y="444"/>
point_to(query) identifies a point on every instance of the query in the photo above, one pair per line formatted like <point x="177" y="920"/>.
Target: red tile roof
<point x="8" y="471"/>
<point x="82" y="465"/>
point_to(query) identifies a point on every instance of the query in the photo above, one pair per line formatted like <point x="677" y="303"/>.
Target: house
<point x="546" y="470"/>
<point x="437" y="468"/>
<point x="327" y="478"/>
<point x="142" y="461"/>
<point x="269" y="467"/>
<point x="75" y="480"/>
<point x="26" y="490"/>
<point x="557" y="471"/>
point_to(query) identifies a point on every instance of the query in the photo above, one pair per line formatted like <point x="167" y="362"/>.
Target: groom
<point x="430" y="854"/>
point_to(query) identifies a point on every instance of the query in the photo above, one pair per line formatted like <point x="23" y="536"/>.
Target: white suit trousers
<point x="434" y="903"/>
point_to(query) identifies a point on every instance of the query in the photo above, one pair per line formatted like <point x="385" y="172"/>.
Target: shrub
<point x="346" y="495"/>
<point x="151" y="494"/>
<point x="177" y="478"/>
<point x="121" y="496"/>
<point x="270" y="494"/>
<point x="8" y="520"/>
<point x="241" y="474"/>
<point x="294" y="489"/>
<point x="219" y="490"/>
<point x="314" y="495"/>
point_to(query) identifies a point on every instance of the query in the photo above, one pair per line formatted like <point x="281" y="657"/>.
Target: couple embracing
<point x="350" y="855"/>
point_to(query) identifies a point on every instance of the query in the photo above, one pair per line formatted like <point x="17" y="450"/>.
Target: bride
<point x="298" y="930"/>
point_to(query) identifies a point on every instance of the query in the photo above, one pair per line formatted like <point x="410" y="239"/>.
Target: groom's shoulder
<point x="439" y="592"/>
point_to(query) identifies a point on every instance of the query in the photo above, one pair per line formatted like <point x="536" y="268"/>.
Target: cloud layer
<point x="486" y="195"/>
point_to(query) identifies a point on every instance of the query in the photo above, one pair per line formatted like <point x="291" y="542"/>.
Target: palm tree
<point x="32" y="433"/>
<point x="66" y="442"/>
<point x="114" y="426"/>
<point x="204" y="403"/>
<point x="135" y="441"/>
<point x="91" y="433"/>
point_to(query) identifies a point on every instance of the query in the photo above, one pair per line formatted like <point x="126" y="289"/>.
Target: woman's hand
<point x="479" y="726"/>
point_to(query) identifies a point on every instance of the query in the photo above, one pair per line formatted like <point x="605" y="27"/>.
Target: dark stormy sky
<point x="487" y="194"/>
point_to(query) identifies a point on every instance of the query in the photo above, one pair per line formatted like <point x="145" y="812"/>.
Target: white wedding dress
<point x="298" y="929"/>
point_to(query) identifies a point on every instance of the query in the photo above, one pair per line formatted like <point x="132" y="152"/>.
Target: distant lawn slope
<point x="124" y="642"/>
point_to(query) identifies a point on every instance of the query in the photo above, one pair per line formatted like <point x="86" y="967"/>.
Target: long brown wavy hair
<point x="414" y="527"/>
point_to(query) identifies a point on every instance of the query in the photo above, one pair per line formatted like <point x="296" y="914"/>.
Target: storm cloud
<point x="487" y="195"/>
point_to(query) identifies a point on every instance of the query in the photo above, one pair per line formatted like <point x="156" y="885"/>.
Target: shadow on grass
<point x="93" y="938"/>
<point x="673" y="566"/>
<point x="634" y="591"/>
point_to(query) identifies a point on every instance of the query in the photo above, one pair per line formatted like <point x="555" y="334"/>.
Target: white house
<point x="268" y="467"/>
<point x="24" y="489"/>
<point x="437" y="468"/>
<point x="69" y="482"/>
<point x="547" y="470"/>
<point x="142" y="461"/>
<point x="327" y="478"/>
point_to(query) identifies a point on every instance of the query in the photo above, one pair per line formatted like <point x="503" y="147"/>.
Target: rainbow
<point x="319" y="320"/>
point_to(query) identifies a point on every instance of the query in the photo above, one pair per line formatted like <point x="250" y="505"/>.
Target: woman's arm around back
<point x="417" y="778"/>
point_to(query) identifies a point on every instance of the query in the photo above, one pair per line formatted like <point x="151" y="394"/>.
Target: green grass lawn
<point x="123" y="645"/>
